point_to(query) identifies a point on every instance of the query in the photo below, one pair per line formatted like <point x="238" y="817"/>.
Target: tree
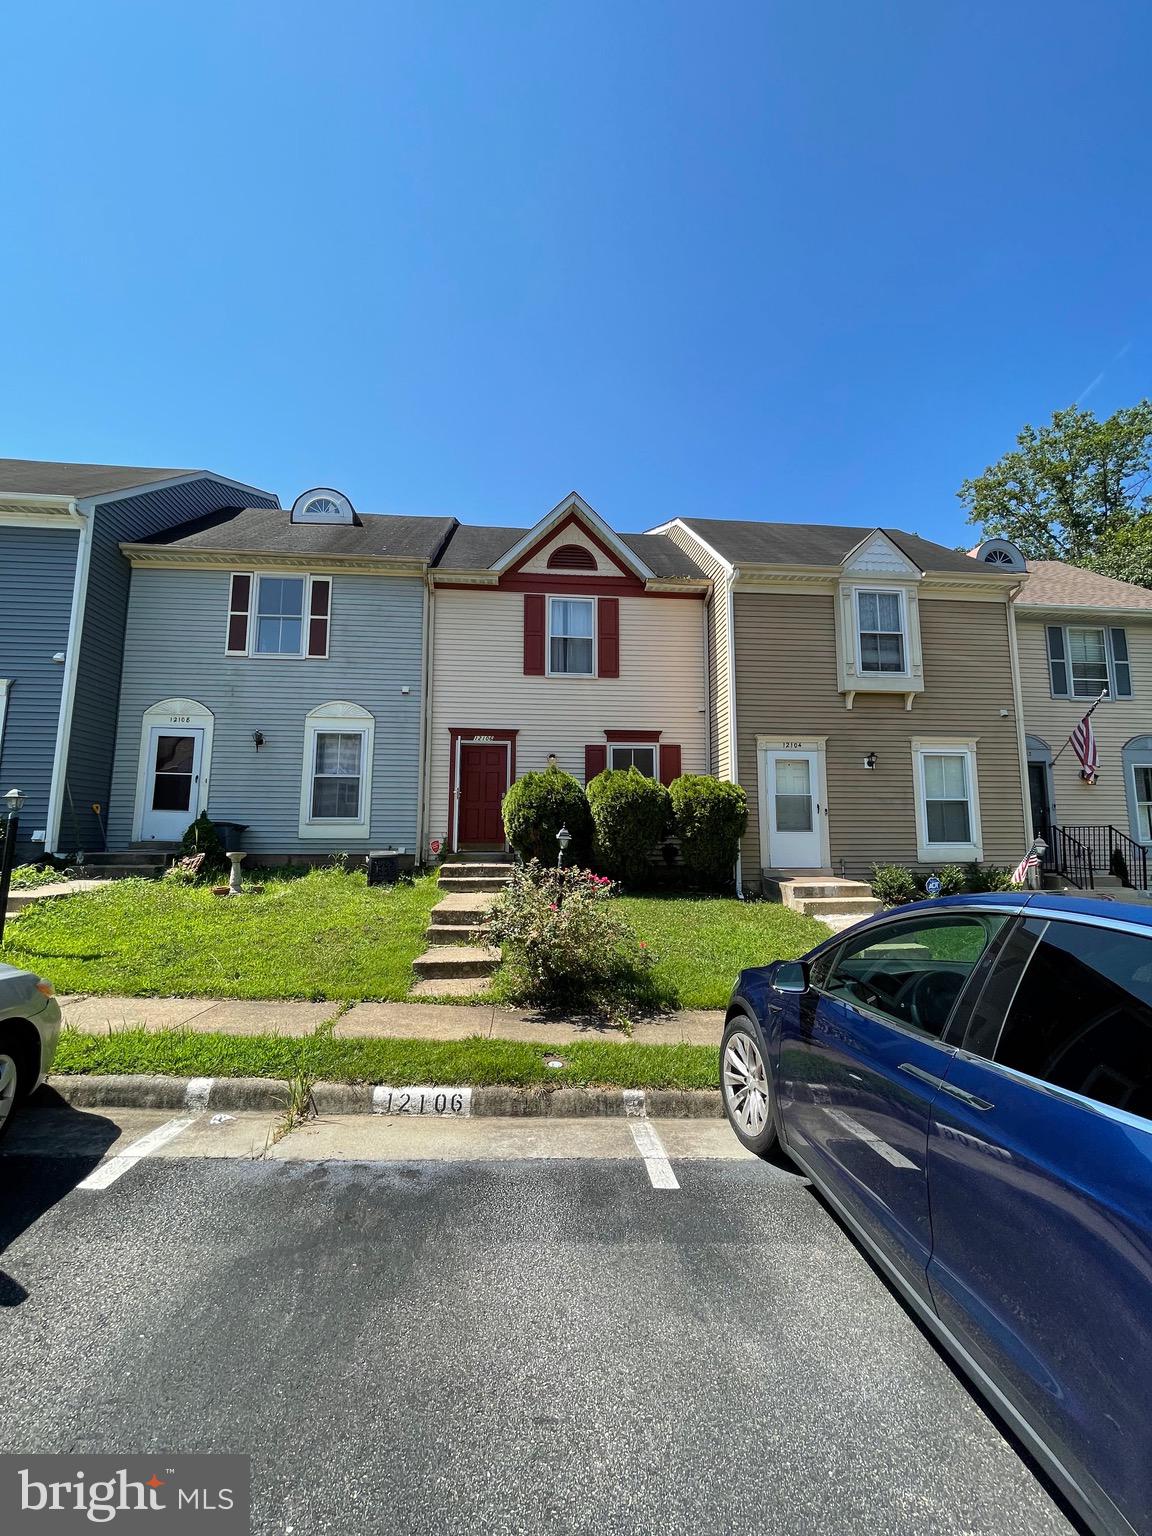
<point x="1078" y="490"/>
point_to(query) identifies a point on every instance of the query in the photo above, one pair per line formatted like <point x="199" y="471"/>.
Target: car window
<point x="1081" y="1014"/>
<point x="819" y="968"/>
<point x="913" y="971"/>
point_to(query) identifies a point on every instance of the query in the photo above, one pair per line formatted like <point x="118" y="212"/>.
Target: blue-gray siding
<point x="37" y="569"/>
<point x="98" y="675"/>
<point x="177" y="623"/>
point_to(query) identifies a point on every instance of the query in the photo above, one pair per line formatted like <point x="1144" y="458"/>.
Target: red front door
<point x="483" y="782"/>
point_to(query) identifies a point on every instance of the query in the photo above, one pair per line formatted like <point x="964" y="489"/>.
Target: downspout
<point x="425" y="719"/>
<point x="68" y="684"/>
<point x="733" y="744"/>
<point x="708" y="601"/>
<point x="1018" y="707"/>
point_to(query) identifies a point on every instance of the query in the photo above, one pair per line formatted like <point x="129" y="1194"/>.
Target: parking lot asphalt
<point x="485" y="1333"/>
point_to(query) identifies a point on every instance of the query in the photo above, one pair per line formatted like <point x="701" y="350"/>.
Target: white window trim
<point x="5" y="685"/>
<point x="349" y="719"/>
<point x="941" y="853"/>
<point x="905" y="637"/>
<point x="1137" y="834"/>
<point x="250" y="651"/>
<point x="1109" y="670"/>
<point x="638" y="746"/>
<point x="575" y="597"/>
<point x="172" y="713"/>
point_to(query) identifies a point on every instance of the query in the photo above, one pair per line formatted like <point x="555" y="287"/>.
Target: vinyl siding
<point x="175" y="648"/>
<point x="1114" y="723"/>
<point x="98" y="673"/>
<point x="786" y="667"/>
<point x="720" y="711"/>
<point x="479" y="684"/>
<point x="37" y="570"/>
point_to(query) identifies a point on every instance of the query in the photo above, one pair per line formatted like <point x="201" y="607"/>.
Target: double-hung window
<point x="1142" y="775"/>
<point x="279" y="622"/>
<point x="571" y="636"/>
<point x="881" y="630"/>
<point x="643" y="758"/>
<point x="336" y="784"/>
<point x="1085" y="660"/>
<point x="948" y="809"/>
<point x="337" y="775"/>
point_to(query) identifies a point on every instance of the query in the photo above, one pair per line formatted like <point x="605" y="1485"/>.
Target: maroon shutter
<point x="608" y="637"/>
<point x="595" y="761"/>
<point x="318" y="609"/>
<point x="238" y="601"/>
<point x="534" y="603"/>
<point x="669" y="762"/>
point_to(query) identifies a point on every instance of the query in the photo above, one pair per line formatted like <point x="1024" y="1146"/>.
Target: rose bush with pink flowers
<point x="565" y="947"/>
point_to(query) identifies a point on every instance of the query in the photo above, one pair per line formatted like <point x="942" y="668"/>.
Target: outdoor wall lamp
<point x="870" y="760"/>
<point x="258" y="738"/>
<point x="14" y="800"/>
<point x="551" y="759"/>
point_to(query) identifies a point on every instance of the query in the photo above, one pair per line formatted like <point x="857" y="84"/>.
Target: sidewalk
<point x="412" y="1021"/>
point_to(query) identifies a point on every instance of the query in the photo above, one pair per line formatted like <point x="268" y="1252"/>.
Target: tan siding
<point x="538" y="565"/>
<point x="1114" y="723"/>
<point x="479" y="684"/>
<point x="719" y="725"/>
<point x="786" y="671"/>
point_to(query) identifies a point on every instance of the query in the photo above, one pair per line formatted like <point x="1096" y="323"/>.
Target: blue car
<point x="968" y="1082"/>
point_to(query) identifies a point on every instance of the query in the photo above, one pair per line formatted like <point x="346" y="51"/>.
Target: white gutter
<point x="733" y="747"/>
<point x="1018" y="707"/>
<point x="68" y="686"/>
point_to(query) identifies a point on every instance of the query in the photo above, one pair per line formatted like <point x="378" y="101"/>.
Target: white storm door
<point x="795" y="836"/>
<point x="172" y="782"/>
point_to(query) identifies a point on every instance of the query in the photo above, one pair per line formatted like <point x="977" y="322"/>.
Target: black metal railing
<point x="1068" y="857"/>
<point x="1114" y="853"/>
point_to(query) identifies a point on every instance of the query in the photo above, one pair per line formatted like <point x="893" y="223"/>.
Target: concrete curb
<point x="127" y="1091"/>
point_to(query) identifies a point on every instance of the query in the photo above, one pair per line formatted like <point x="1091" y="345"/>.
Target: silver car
<point x="29" y="1029"/>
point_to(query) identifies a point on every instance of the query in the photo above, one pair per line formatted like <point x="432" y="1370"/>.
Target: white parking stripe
<point x="869" y="1138"/>
<point x="651" y="1149"/>
<point x="198" y="1092"/>
<point x="108" y="1172"/>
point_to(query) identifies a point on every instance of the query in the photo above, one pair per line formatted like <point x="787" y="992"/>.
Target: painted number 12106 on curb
<point x="421" y="1100"/>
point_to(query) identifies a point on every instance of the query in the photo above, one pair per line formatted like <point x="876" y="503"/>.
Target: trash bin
<point x="384" y="866"/>
<point x="231" y="834"/>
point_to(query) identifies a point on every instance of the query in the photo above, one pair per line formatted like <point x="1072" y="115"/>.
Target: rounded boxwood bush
<point x="537" y="806"/>
<point x="631" y="815"/>
<point x="710" y="820"/>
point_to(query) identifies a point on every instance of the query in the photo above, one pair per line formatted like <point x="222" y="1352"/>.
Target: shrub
<point x="952" y="878"/>
<point x="710" y="820"/>
<point x="991" y="877"/>
<point x="1118" y="866"/>
<point x="564" y="946"/>
<point x="202" y="837"/>
<point x="631" y="814"/>
<point x="537" y="806"/>
<point x="893" y="884"/>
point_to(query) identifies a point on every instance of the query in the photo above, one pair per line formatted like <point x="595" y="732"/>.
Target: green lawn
<point x="321" y="935"/>
<point x="700" y="945"/>
<point x="321" y="1058"/>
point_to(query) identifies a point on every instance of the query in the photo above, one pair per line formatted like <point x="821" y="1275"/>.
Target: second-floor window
<point x="279" y="626"/>
<point x="1085" y="660"/>
<point x="571" y="636"/>
<point x="880" y="625"/>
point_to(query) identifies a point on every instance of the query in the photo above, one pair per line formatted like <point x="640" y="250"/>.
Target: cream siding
<point x="538" y="565"/>
<point x="719" y="650"/>
<point x="786" y="666"/>
<point x="1114" y="723"/>
<point x="478" y="683"/>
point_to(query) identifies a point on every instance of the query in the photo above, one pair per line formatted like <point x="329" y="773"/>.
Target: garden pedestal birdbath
<point x="235" y="859"/>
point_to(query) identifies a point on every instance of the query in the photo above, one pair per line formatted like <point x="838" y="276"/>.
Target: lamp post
<point x="14" y="800"/>
<point x="563" y="837"/>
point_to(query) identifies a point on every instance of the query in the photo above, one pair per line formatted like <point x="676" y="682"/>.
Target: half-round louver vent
<point x="572" y="557"/>
<point x="1002" y="554"/>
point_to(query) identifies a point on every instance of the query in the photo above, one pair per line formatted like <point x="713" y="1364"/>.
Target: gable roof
<point x="1053" y="584"/>
<point x="270" y="531"/>
<point x="820" y="544"/>
<point x="46" y="477"/>
<point x="478" y="549"/>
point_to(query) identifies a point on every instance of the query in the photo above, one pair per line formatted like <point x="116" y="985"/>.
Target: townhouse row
<point x="173" y="641"/>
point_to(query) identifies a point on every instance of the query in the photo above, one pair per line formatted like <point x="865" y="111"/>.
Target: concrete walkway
<point x="411" y="1021"/>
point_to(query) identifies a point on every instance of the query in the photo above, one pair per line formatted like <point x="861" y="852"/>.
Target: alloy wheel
<point x="746" y="1088"/>
<point x="9" y="1080"/>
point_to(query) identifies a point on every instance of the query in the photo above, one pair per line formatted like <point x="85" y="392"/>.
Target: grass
<point x="701" y="944"/>
<point x="322" y="935"/>
<point x="26" y="877"/>
<point x="320" y="1057"/>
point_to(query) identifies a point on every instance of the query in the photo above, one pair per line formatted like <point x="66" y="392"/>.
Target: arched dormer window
<point x="572" y="557"/>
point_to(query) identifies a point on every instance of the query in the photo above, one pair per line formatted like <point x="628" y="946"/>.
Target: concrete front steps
<point x="839" y="903"/>
<point x="142" y="861"/>
<point x="458" y="962"/>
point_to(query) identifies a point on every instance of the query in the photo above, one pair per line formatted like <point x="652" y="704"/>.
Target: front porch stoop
<point x="837" y="902"/>
<point x="458" y="961"/>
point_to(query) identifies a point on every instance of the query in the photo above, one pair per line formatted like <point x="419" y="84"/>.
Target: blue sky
<point x="803" y="262"/>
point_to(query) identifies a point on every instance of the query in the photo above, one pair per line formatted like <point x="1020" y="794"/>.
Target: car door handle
<point x="942" y="1083"/>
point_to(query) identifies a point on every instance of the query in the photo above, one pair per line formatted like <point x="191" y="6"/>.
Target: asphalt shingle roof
<point x="270" y="530"/>
<point x="1053" y="584"/>
<point x="751" y="543"/>
<point x="477" y="549"/>
<point x="44" y="477"/>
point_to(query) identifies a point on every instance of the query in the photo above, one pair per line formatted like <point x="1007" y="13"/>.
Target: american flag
<point x="1084" y="745"/>
<point x="1031" y="860"/>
